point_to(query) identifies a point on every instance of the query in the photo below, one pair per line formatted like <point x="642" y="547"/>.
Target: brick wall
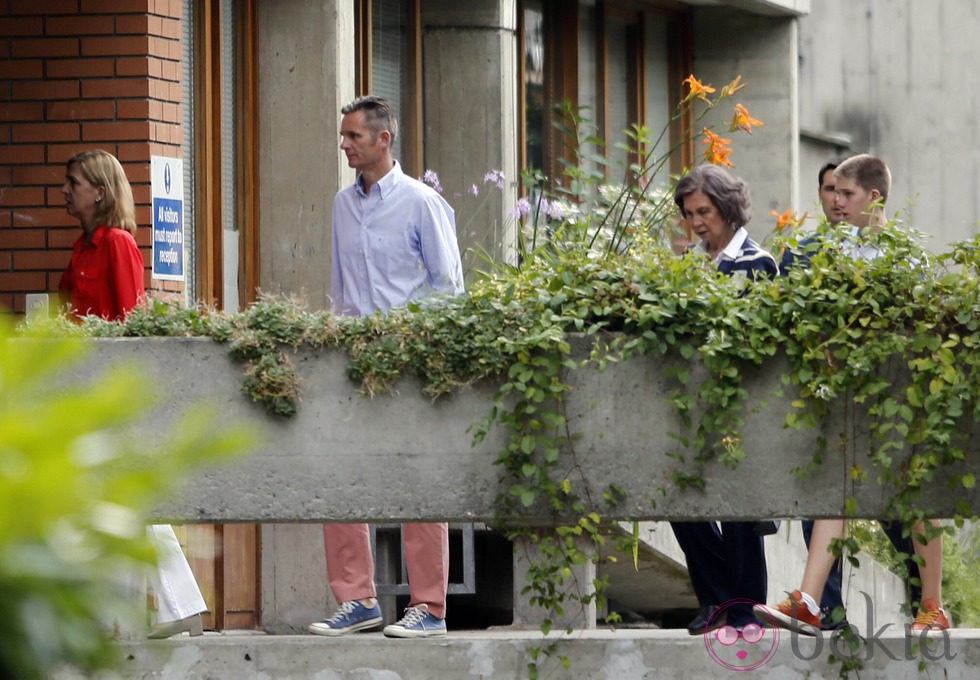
<point x="74" y="75"/>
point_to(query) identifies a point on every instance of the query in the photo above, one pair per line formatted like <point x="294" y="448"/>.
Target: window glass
<point x="229" y="162"/>
<point x="187" y="66"/>
<point x="534" y="85"/>
<point x="619" y="87"/>
<point x="390" y="57"/>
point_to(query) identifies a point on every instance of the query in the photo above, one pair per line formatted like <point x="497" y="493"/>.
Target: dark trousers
<point x="904" y="544"/>
<point x="725" y="564"/>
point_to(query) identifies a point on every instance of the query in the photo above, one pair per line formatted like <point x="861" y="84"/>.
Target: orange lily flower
<point x="787" y="219"/>
<point x="741" y="120"/>
<point x="718" y="149"/>
<point x="732" y="87"/>
<point x="697" y="89"/>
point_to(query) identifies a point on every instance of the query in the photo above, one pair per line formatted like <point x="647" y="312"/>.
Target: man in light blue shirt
<point x="394" y="240"/>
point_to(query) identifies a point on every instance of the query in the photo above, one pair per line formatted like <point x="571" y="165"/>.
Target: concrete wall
<point x="344" y="457"/>
<point x="900" y="79"/>
<point x="469" y="68"/>
<point x="762" y="49"/>
<point x="306" y="61"/>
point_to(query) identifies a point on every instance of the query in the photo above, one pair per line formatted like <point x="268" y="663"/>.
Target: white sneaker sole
<point x="398" y="632"/>
<point x="777" y="618"/>
<point x="327" y="631"/>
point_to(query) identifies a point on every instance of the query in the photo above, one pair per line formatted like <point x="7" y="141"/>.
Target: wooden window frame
<point x="207" y="149"/>
<point x="561" y="25"/>
<point x="231" y="566"/>
<point x="410" y="119"/>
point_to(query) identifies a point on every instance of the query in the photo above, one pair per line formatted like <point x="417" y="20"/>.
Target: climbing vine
<point x="896" y="336"/>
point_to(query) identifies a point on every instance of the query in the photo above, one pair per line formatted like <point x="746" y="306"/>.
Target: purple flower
<point x="523" y="208"/>
<point x="496" y="177"/>
<point x="432" y="179"/>
<point x="473" y="190"/>
<point x="552" y="210"/>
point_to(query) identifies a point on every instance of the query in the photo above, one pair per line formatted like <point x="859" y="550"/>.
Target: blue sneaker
<point x="417" y="622"/>
<point x="350" y="617"/>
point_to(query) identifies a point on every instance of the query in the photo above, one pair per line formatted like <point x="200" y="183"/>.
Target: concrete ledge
<point x="503" y="654"/>
<point x="345" y="457"/>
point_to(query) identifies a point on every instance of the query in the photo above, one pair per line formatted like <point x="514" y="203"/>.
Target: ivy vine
<point x="896" y="336"/>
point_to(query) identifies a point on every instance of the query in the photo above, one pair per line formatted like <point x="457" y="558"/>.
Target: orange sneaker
<point x="931" y="619"/>
<point x="792" y="614"/>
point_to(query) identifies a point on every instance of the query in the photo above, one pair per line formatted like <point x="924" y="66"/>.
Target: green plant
<point x="891" y="343"/>
<point x="74" y="493"/>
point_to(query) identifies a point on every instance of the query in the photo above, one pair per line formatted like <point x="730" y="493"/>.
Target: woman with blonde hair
<point x="105" y="278"/>
<point x="105" y="275"/>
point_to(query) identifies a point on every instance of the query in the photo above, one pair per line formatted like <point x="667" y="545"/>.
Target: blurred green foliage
<point x="75" y="487"/>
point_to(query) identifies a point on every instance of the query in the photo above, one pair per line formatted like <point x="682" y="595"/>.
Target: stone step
<point x="502" y="654"/>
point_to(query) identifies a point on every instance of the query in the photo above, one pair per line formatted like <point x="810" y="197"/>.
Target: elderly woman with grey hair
<point x="726" y="563"/>
<point x="715" y="206"/>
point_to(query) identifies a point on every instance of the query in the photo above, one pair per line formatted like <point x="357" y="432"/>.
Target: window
<point x="219" y="149"/>
<point x="619" y="62"/>
<point x="390" y="66"/>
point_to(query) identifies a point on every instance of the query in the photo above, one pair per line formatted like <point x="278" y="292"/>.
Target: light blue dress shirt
<point x="394" y="244"/>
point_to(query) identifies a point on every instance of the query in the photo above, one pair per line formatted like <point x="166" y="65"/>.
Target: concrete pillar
<point x="469" y="72"/>
<point x="762" y="49"/>
<point x="306" y="62"/>
<point x="577" y="584"/>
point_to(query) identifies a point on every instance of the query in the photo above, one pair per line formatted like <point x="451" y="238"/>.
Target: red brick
<point x="60" y="153"/>
<point x="46" y="175"/>
<point x="115" y="131"/>
<point x="25" y="153"/>
<point x="171" y="28"/>
<point x="139" y="176"/>
<point x="140" y="109"/>
<point x="82" y="109"/>
<point x="44" y="217"/>
<point x="18" y="196"/>
<point x="136" y="153"/>
<point x="171" y="113"/>
<point x="64" y="238"/>
<point x="115" y="87"/>
<point x="170" y="70"/>
<point x="141" y="192"/>
<point x="79" y="25"/>
<point x="80" y="68"/>
<point x="45" y="89"/>
<point x="34" y="260"/>
<point x="18" y="111"/>
<point x="21" y="239"/>
<point x="11" y="27"/>
<point x="141" y="24"/>
<point x="23" y="281"/>
<point x="44" y="47"/>
<point x="115" y="6"/>
<point x="21" y="69"/>
<point x="45" y="132"/>
<point x="161" y="47"/>
<point x="137" y="66"/>
<point x="43" y="8"/>
<point x="116" y="45"/>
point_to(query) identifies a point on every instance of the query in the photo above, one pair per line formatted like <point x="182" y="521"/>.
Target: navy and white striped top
<point x="743" y="256"/>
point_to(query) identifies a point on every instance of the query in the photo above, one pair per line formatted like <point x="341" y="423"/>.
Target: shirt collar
<point x="97" y="236"/>
<point x="386" y="184"/>
<point x="734" y="246"/>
